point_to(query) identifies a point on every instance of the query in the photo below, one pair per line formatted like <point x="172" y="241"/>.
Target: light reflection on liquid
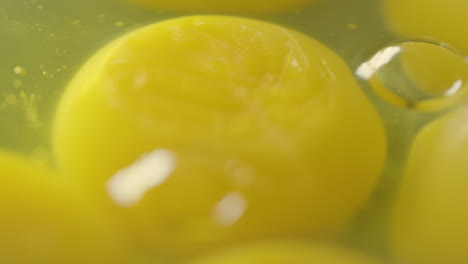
<point x="367" y="69"/>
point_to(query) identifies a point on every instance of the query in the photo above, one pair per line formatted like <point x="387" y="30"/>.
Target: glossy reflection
<point x="280" y="252"/>
<point x="230" y="209"/>
<point x="439" y="20"/>
<point x="419" y="75"/>
<point x="128" y="186"/>
<point x="45" y="221"/>
<point x="253" y="6"/>
<point x="431" y="216"/>
<point x="207" y="130"/>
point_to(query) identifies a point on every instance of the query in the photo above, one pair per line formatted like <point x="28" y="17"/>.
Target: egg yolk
<point x="431" y="215"/>
<point x="44" y="222"/>
<point x="254" y="6"/>
<point x="209" y="129"/>
<point x="285" y="252"/>
<point x="434" y="19"/>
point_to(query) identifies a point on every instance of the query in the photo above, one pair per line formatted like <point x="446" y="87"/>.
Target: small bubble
<point x="119" y="24"/>
<point x="39" y="27"/>
<point x="21" y="71"/>
<point x="76" y="23"/>
<point x="352" y="26"/>
<point x="418" y="75"/>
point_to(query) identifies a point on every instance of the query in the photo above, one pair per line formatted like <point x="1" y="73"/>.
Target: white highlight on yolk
<point x="455" y="88"/>
<point x="140" y="79"/>
<point x="295" y="63"/>
<point x="230" y="209"/>
<point x="366" y="70"/>
<point x="128" y="186"/>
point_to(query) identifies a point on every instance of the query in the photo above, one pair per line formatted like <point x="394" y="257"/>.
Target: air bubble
<point x="418" y="75"/>
<point x="21" y="71"/>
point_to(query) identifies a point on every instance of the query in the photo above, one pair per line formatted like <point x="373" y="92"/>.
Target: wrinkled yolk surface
<point x="208" y="130"/>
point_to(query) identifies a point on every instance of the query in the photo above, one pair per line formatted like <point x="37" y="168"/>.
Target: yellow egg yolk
<point x="433" y="19"/>
<point x="209" y="129"/>
<point x="292" y="252"/>
<point x="45" y="221"/>
<point x="431" y="215"/>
